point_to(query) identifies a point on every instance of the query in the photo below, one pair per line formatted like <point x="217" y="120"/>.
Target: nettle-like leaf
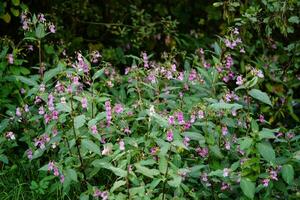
<point x="261" y="96"/>
<point x="79" y="121"/>
<point x="266" y="150"/>
<point x="288" y="173"/>
<point x="248" y="187"/>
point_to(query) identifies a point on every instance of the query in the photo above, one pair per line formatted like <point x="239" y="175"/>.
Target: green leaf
<point x="266" y="150"/>
<point x="39" y="31"/>
<point x="117" y="185"/>
<point x="71" y="173"/>
<point x="4" y="123"/>
<point x="216" y="151"/>
<point x="91" y="146"/>
<point x="98" y="73"/>
<point x="63" y="107"/>
<point x="163" y="164"/>
<point x="288" y="173"/>
<point x="117" y="171"/>
<point x="247" y="187"/>
<point x="15" y="2"/>
<point x="4" y="159"/>
<point x="160" y="120"/>
<point x="246" y="143"/>
<point x="27" y="80"/>
<point x="51" y="73"/>
<point x="146" y="171"/>
<point x="266" y="133"/>
<point x="175" y="182"/>
<point x="294" y="19"/>
<point x="195" y="136"/>
<point x="222" y="105"/>
<point x="79" y="121"/>
<point x="261" y="96"/>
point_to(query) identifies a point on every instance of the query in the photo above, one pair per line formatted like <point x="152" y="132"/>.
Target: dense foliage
<point x="152" y="100"/>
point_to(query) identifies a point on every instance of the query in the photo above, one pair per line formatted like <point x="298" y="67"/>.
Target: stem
<point x="76" y="143"/>
<point x="165" y="175"/>
<point x="40" y="58"/>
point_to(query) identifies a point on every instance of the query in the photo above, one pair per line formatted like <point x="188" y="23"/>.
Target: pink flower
<point x="52" y="28"/>
<point x="200" y="114"/>
<point x="55" y="115"/>
<point x="94" y="129"/>
<point x="62" y="178"/>
<point x="18" y="112"/>
<point x="84" y="102"/>
<point x="239" y="80"/>
<point x="171" y="120"/>
<point x="170" y="136"/>
<point x="108" y="113"/>
<point x="265" y="182"/>
<point x="225" y="186"/>
<point x="41" y="18"/>
<point x="97" y="193"/>
<point x="224" y="130"/>
<point x="186" y="141"/>
<point x="203" y="152"/>
<point x="41" y="110"/>
<point x="10" y="58"/>
<point x="226" y="172"/>
<point x="10" y="135"/>
<point x="29" y="154"/>
<point x="118" y="108"/>
<point x="121" y="145"/>
<point x="95" y="56"/>
<point x="180" y="118"/>
<point x="261" y="118"/>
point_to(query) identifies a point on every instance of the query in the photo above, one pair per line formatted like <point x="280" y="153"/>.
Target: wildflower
<point x="94" y="129"/>
<point x="145" y="60"/>
<point x="186" y="141"/>
<point x="26" y="108"/>
<point x="51" y="102"/>
<point x="41" y="18"/>
<point x="55" y="115"/>
<point x="154" y="150"/>
<point x="10" y="58"/>
<point x="18" y="112"/>
<point x="170" y="136"/>
<point x="180" y="77"/>
<point x="151" y="111"/>
<point x="273" y="175"/>
<point x="127" y="130"/>
<point x="224" y="130"/>
<point x="84" y="102"/>
<point x="108" y="113"/>
<point x="239" y="80"/>
<point x="171" y="120"/>
<point x="52" y="28"/>
<point x="63" y="100"/>
<point x="226" y="172"/>
<point x="47" y="118"/>
<point x="23" y="91"/>
<point x="187" y="125"/>
<point x="180" y="118"/>
<point x="227" y="145"/>
<point x="29" y="154"/>
<point x="10" y="135"/>
<point x="261" y="118"/>
<point x="59" y="87"/>
<point x="200" y="114"/>
<point x="97" y="193"/>
<point x="203" y="152"/>
<point x="41" y="110"/>
<point x="121" y="145"/>
<point x="225" y="186"/>
<point x="62" y="178"/>
<point x="265" y="182"/>
<point x="107" y="150"/>
<point x="204" y="177"/>
<point x="54" y="132"/>
<point x="118" y="108"/>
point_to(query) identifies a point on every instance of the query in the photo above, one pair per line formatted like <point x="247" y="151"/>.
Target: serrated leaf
<point x="79" y="121"/>
<point x="116" y="185"/>
<point x="294" y="19"/>
<point x="51" y="73"/>
<point x="246" y="143"/>
<point x="71" y="173"/>
<point x="175" y="182"/>
<point x="27" y="80"/>
<point x="39" y="31"/>
<point x="288" y="173"/>
<point x="146" y="171"/>
<point x="98" y="73"/>
<point x="162" y="165"/>
<point x="223" y="105"/>
<point x="91" y="146"/>
<point x="266" y="150"/>
<point x="247" y="187"/>
<point x="261" y="96"/>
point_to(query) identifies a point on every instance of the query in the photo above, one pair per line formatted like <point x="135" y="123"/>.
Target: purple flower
<point x="261" y="118"/>
<point x="84" y="102"/>
<point x="225" y="186"/>
<point x="18" y="112"/>
<point x="170" y="136"/>
<point x="41" y="110"/>
<point x="180" y="118"/>
<point x="97" y="193"/>
<point x="29" y="154"/>
<point x="200" y="114"/>
<point x="62" y="178"/>
<point x="41" y="18"/>
<point x="226" y="172"/>
<point x="186" y="141"/>
<point x="203" y="152"/>
<point x="121" y="145"/>
<point x="239" y="80"/>
<point x="55" y="115"/>
<point x="10" y="58"/>
<point x="224" y="130"/>
<point x="171" y="120"/>
<point x="95" y="56"/>
<point x="108" y="113"/>
<point x="10" y="135"/>
<point x="265" y="182"/>
<point x="118" y="108"/>
<point x="94" y="129"/>
<point x="273" y="175"/>
<point x="52" y="28"/>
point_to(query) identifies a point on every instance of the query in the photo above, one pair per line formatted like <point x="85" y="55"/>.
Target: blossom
<point x="18" y="112"/>
<point x="41" y="18"/>
<point x="226" y="172"/>
<point x="10" y="58"/>
<point x="29" y="154"/>
<point x="186" y="141"/>
<point x="10" y="135"/>
<point x="225" y="186"/>
<point x="224" y="130"/>
<point x="170" y="136"/>
<point x="200" y="114"/>
<point x="52" y="28"/>
<point x="55" y="115"/>
<point x="94" y="129"/>
<point x="180" y="118"/>
<point x="265" y="182"/>
<point x="108" y="113"/>
<point x="95" y="56"/>
<point x="26" y="108"/>
<point x="203" y="152"/>
<point x="118" y="108"/>
<point x="84" y="102"/>
<point x="261" y="118"/>
<point x="239" y="80"/>
<point x="171" y="120"/>
<point x="62" y="178"/>
<point x="41" y="110"/>
<point x="107" y="150"/>
<point x="121" y="145"/>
